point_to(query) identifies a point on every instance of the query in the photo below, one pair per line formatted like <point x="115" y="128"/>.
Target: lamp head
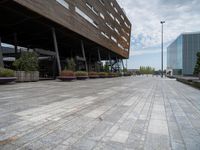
<point x="162" y="22"/>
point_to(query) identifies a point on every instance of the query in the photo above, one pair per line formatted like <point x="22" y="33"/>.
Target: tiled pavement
<point x="122" y="113"/>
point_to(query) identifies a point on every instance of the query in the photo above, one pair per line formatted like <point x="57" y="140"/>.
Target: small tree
<point x="71" y="65"/>
<point x="106" y="68"/>
<point x="28" y="61"/>
<point x="197" y="66"/>
<point x="147" y="70"/>
<point x="125" y="70"/>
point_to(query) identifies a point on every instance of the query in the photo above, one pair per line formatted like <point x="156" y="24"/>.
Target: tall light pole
<point x="162" y="22"/>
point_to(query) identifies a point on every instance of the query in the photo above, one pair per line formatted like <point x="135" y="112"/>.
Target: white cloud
<point x="145" y="52"/>
<point x="145" y="16"/>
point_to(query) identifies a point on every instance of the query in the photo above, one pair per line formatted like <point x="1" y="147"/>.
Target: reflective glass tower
<point x="181" y="54"/>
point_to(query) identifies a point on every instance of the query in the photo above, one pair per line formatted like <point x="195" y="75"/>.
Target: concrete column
<point x="110" y="62"/>
<point x="122" y="63"/>
<point x="83" y="52"/>
<point x="118" y="64"/>
<point x="15" y="42"/>
<point x="56" y="49"/>
<point x="99" y="57"/>
<point x="54" y="67"/>
<point x="1" y="55"/>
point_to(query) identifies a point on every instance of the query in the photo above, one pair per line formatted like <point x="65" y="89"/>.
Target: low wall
<point x="190" y="81"/>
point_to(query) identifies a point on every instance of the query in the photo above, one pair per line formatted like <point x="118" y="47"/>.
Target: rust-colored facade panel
<point x="102" y="21"/>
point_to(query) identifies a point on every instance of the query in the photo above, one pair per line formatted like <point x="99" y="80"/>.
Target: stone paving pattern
<point x="121" y="113"/>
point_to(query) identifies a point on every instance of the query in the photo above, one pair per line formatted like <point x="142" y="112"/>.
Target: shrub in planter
<point x="111" y="74"/>
<point x="27" y="67"/>
<point x="71" y="65"/>
<point x="103" y="74"/>
<point x="127" y="74"/>
<point x="81" y="75"/>
<point x="6" y="72"/>
<point x="118" y="74"/>
<point x="93" y="75"/>
<point x="6" y="75"/>
<point x="197" y="66"/>
<point x="67" y="75"/>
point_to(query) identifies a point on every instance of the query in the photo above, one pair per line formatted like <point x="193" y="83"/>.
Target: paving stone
<point x="120" y="136"/>
<point x="109" y="114"/>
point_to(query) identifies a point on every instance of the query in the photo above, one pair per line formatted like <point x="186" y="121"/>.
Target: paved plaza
<point x="113" y="114"/>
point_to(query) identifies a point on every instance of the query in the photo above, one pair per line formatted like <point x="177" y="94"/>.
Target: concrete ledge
<point x="190" y="81"/>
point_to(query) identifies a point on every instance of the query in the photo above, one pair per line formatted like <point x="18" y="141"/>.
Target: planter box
<point x="100" y="76"/>
<point x="23" y="76"/>
<point x="66" y="78"/>
<point x="4" y="80"/>
<point x="82" y="77"/>
<point x="93" y="76"/>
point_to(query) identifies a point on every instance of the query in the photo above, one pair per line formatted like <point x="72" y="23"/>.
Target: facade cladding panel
<point x="101" y="21"/>
<point x="181" y="54"/>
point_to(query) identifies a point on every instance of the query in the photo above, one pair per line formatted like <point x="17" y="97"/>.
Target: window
<point x="63" y="3"/>
<point x="81" y="13"/>
<point x="123" y="30"/>
<point x="111" y="15"/>
<point x="92" y="8"/>
<point x="114" y="39"/>
<point x="126" y="49"/>
<point x="102" y="2"/>
<point x="117" y="21"/>
<point x="122" y="17"/>
<point x="120" y="46"/>
<point x="105" y="35"/>
<point x="88" y="5"/>
<point x="116" y="30"/>
<point x="127" y="25"/>
<point x="95" y="11"/>
<point x="115" y="9"/>
<point x="124" y="39"/>
<point x="112" y="4"/>
<point x="102" y="16"/>
<point x="109" y="26"/>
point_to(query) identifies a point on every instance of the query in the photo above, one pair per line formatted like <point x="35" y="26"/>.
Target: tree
<point x="71" y="65"/>
<point x="197" y="66"/>
<point x="28" y="61"/>
<point x="146" y="70"/>
<point x="106" y="67"/>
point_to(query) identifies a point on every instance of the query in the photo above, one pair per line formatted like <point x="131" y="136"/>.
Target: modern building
<point x="181" y="54"/>
<point x="86" y="30"/>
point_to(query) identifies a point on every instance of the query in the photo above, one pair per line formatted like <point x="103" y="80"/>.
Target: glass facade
<point x="174" y="56"/>
<point x="181" y="54"/>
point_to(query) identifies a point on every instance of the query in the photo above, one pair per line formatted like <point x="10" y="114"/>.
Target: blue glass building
<point x="181" y="54"/>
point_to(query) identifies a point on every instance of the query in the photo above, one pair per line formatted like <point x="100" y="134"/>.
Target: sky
<point x="145" y="15"/>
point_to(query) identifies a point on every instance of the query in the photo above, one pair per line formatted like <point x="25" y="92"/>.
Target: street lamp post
<point x="162" y="22"/>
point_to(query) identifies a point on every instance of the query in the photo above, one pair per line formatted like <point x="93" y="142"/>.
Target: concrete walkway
<point x="121" y="113"/>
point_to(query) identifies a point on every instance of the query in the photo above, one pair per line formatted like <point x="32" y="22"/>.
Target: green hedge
<point x="6" y="72"/>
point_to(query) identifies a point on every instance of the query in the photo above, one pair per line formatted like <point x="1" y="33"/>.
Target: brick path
<point x="121" y="113"/>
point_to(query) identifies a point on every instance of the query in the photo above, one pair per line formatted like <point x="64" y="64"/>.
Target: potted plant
<point x="81" y="75"/>
<point x="111" y="75"/>
<point x="27" y="67"/>
<point x="103" y="74"/>
<point x="118" y="74"/>
<point x="197" y="66"/>
<point x="68" y="73"/>
<point x="93" y="75"/>
<point x="6" y="75"/>
<point x="126" y="74"/>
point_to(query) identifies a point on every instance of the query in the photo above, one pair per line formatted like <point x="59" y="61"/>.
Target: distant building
<point x="181" y="54"/>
